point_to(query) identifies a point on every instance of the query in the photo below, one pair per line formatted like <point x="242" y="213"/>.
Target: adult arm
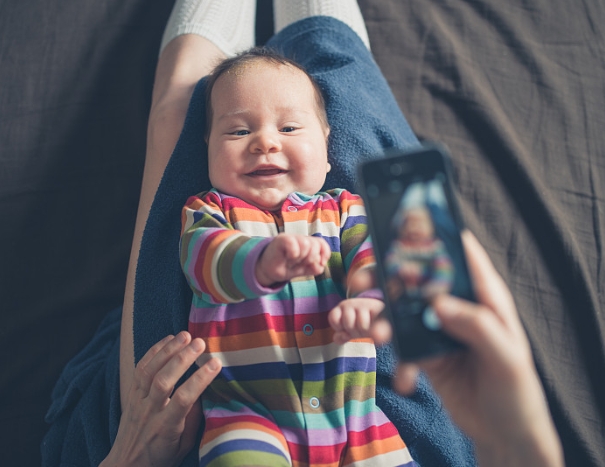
<point x="163" y="423"/>
<point x="182" y="63"/>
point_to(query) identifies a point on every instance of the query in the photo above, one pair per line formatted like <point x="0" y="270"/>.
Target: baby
<point x="270" y="259"/>
<point x="418" y="265"/>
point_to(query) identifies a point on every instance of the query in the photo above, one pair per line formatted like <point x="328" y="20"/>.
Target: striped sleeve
<point x="217" y="260"/>
<point x="355" y="243"/>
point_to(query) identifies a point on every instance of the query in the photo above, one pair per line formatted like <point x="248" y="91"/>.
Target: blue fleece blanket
<point x="365" y="120"/>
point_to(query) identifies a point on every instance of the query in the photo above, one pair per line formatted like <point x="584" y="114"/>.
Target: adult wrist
<point x="519" y="455"/>
<point x="539" y="448"/>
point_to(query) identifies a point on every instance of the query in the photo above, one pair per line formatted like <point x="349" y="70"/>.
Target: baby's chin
<point x="264" y="206"/>
<point x="266" y="202"/>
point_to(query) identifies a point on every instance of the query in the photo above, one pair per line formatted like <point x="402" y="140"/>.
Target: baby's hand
<point x="352" y="318"/>
<point x="289" y="256"/>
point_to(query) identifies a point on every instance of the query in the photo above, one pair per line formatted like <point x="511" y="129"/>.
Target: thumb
<point x="472" y="324"/>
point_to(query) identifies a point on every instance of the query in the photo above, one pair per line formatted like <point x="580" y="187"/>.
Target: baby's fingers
<point x="343" y="320"/>
<point x="381" y="331"/>
<point x="317" y="258"/>
<point x="324" y="251"/>
<point x="302" y="249"/>
<point x="334" y="317"/>
<point x="342" y="337"/>
<point x="365" y="311"/>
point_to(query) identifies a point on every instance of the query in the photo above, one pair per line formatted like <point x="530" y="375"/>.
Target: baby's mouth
<point x="265" y="172"/>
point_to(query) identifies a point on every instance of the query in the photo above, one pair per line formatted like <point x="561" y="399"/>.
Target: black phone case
<point x="400" y="191"/>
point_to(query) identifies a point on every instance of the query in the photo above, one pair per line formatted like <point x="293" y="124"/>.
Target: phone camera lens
<point x="396" y="169"/>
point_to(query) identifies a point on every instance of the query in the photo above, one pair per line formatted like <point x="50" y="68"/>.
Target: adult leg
<point x="286" y="12"/>
<point x="362" y="111"/>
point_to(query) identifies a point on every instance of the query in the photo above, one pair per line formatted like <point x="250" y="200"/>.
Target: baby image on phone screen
<point x="418" y="266"/>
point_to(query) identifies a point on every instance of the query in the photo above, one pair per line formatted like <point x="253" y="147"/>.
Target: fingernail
<point x="212" y="365"/>
<point x="196" y="345"/>
<point x="182" y="338"/>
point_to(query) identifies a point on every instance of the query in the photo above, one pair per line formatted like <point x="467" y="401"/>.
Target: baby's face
<point x="266" y="138"/>
<point x="418" y="225"/>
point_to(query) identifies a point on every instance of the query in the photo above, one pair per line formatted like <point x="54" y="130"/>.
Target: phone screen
<point x="415" y="226"/>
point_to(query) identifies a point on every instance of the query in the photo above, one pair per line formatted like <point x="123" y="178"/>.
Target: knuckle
<point x="180" y="399"/>
<point x="349" y="324"/>
<point x="141" y="375"/>
<point x="182" y="359"/>
<point x="166" y="352"/>
<point x="162" y="384"/>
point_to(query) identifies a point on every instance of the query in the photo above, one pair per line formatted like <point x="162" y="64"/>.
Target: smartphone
<point x="415" y="223"/>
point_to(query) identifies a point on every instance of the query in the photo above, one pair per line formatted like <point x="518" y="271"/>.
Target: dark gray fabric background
<point x="516" y="90"/>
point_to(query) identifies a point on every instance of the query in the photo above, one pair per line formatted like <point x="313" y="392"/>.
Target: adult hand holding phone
<point x="491" y="388"/>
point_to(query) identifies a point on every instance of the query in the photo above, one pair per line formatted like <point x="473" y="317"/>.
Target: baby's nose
<point x="266" y="141"/>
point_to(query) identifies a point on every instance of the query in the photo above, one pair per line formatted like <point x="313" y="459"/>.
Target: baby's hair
<point x="258" y="54"/>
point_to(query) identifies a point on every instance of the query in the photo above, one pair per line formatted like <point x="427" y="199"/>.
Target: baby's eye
<point x="241" y="132"/>
<point x="288" y="129"/>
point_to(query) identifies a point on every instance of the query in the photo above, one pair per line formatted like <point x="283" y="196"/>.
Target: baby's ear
<point x="328" y="167"/>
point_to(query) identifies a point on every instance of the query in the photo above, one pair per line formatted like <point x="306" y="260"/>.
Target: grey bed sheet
<point x="515" y="89"/>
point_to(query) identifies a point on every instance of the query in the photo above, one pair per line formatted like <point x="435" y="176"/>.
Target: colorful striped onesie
<point x="434" y="274"/>
<point x="287" y="394"/>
